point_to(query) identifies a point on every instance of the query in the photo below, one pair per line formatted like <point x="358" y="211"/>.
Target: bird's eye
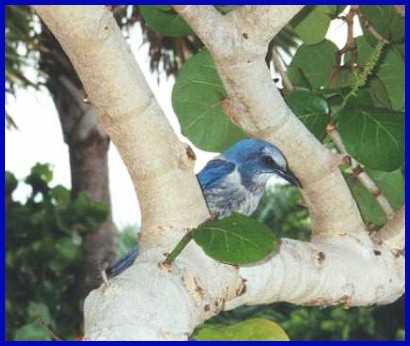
<point x="268" y="160"/>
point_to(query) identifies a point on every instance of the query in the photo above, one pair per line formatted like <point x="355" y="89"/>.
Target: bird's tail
<point x="122" y="264"/>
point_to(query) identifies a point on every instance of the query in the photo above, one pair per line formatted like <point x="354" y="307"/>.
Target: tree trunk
<point x="88" y="151"/>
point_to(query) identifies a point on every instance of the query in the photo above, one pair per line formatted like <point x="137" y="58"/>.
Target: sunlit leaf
<point x="252" y="329"/>
<point x="197" y="97"/>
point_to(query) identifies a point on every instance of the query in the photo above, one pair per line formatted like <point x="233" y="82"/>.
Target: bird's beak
<point x="290" y="177"/>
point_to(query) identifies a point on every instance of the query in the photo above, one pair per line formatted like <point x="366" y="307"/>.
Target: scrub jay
<point x="233" y="182"/>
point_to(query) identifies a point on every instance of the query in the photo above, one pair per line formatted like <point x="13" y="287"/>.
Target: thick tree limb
<point x="240" y="62"/>
<point x="393" y="232"/>
<point x="152" y="302"/>
<point x="158" y="163"/>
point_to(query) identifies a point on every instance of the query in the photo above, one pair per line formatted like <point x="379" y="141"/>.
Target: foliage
<point x="20" y="42"/>
<point x="358" y="89"/>
<point x="44" y="256"/>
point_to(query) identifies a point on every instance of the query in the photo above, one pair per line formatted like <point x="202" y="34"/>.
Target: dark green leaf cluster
<point x="359" y="90"/>
<point x="44" y="256"/>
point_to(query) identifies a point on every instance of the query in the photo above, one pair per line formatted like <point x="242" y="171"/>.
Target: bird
<point x="233" y="182"/>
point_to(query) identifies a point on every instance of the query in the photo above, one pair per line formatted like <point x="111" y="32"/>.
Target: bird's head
<point x="257" y="161"/>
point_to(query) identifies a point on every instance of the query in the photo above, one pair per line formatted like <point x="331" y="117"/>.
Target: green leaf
<point x="378" y="93"/>
<point x="391" y="73"/>
<point x="165" y="20"/>
<point x="373" y="136"/>
<point x="61" y="195"/>
<point x="312" y="23"/>
<point x="43" y="171"/>
<point x="251" y="329"/>
<point x="237" y="239"/>
<point x="311" y="109"/>
<point x="386" y="20"/>
<point x="41" y="311"/>
<point x="31" y="331"/>
<point x="196" y="98"/>
<point x="341" y="78"/>
<point x="373" y="95"/>
<point x="315" y="63"/>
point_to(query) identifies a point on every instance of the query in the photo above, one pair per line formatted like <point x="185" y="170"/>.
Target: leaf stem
<point x="178" y="248"/>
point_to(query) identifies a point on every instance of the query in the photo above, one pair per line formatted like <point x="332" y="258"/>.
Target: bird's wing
<point x="214" y="171"/>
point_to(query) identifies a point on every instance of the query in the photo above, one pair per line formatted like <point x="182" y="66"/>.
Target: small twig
<point x="361" y="175"/>
<point x="350" y="44"/>
<point x="277" y="63"/>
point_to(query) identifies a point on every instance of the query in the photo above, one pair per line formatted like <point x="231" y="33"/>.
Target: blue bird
<point x="233" y="182"/>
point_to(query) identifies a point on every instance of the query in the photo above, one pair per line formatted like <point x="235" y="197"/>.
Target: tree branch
<point x="277" y="63"/>
<point x="159" y="165"/>
<point x="393" y="232"/>
<point x="152" y="302"/>
<point x="240" y="63"/>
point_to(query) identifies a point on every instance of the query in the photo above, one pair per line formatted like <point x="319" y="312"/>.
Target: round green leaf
<point x="252" y="329"/>
<point x="373" y="136"/>
<point x="314" y="63"/>
<point x="31" y="331"/>
<point x="196" y="99"/>
<point x="40" y="310"/>
<point x="386" y="20"/>
<point x="373" y="95"/>
<point x="311" y="109"/>
<point x="391" y="73"/>
<point x="312" y="23"/>
<point x="378" y="93"/>
<point x="61" y="195"/>
<point x="165" y="20"/>
<point x="237" y="239"/>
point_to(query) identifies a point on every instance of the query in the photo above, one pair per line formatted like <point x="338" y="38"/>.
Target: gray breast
<point x="231" y="196"/>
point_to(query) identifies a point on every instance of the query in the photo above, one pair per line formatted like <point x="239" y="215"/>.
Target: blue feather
<point x="214" y="171"/>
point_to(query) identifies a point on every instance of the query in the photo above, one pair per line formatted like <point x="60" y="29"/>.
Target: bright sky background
<point x="39" y="138"/>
